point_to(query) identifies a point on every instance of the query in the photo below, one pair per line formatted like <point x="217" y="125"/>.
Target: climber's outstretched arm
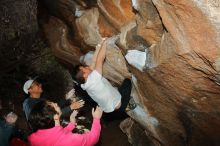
<point x="100" y="58"/>
<point x="94" y="58"/>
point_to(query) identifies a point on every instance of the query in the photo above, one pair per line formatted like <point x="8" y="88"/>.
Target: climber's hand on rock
<point x="97" y="113"/>
<point x="99" y="45"/>
<point x="77" y="104"/>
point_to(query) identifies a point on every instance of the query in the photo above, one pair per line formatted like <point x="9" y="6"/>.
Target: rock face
<point x="19" y="43"/>
<point x="178" y="92"/>
<point x="18" y="31"/>
<point x="62" y="47"/>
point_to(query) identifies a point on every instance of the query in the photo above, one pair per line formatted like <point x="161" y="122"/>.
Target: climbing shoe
<point x="131" y="105"/>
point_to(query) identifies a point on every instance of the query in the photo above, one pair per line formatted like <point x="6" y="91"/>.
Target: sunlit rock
<point x="149" y="23"/>
<point x="136" y="58"/>
<point x="87" y="26"/>
<point x="57" y="34"/>
<point x="118" y="13"/>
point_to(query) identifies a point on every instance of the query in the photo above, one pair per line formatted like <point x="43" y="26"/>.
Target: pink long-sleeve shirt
<point x="59" y="136"/>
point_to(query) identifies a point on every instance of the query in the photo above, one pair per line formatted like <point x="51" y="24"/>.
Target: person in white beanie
<point x="34" y="90"/>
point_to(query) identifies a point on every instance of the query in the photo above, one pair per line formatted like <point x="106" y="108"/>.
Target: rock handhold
<point x="118" y="13"/>
<point x="136" y="58"/>
<point x="87" y="26"/>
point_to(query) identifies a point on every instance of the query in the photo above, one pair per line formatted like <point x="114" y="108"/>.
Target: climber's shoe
<point x="131" y="105"/>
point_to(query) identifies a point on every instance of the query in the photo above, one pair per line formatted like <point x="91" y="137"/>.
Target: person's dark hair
<point x="78" y="76"/>
<point x="42" y="116"/>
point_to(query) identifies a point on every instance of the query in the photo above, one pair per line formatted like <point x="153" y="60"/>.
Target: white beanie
<point x="27" y="85"/>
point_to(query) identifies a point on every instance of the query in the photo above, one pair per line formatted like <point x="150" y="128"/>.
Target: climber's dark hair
<point x="42" y="116"/>
<point x="78" y="76"/>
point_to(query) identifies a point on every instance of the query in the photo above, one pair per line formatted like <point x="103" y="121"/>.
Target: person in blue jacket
<point x="7" y="128"/>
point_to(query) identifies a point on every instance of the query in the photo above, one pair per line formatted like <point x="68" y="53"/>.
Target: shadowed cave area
<point x="170" y="50"/>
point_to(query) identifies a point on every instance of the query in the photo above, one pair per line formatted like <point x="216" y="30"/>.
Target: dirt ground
<point x="113" y="136"/>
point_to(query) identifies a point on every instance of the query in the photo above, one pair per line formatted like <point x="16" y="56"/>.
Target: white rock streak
<point x="135" y="4"/>
<point x="141" y="113"/>
<point x="136" y="58"/>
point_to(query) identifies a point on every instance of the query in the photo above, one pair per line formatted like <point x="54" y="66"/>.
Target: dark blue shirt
<point x="6" y="131"/>
<point x="28" y="105"/>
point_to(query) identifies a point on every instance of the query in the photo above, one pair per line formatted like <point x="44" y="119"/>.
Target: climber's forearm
<point x="94" y="58"/>
<point x="101" y="54"/>
<point x="100" y="58"/>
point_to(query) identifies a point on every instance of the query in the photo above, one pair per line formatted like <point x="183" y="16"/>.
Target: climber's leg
<point x="125" y="91"/>
<point x="119" y="114"/>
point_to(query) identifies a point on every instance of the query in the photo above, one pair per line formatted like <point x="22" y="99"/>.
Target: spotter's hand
<point x="77" y="104"/>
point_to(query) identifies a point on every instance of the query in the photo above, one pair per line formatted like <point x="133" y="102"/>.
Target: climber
<point x="34" y="90"/>
<point x="100" y="89"/>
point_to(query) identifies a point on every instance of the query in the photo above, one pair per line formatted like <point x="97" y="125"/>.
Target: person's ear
<point x="29" y="90"/>
<point x="56" y="119"/>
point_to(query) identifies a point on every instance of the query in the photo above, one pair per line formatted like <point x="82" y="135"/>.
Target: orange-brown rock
<point x="149" y="23"/>
<point x="117" y="13"/>
<point x="189" y="26"/>
<point x="192" y="102"/>
<point x="57" y="35"/>
<point x="92" y="26"/>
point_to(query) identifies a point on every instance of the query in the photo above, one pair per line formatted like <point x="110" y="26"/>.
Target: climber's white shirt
<point x="102" y="92"/>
